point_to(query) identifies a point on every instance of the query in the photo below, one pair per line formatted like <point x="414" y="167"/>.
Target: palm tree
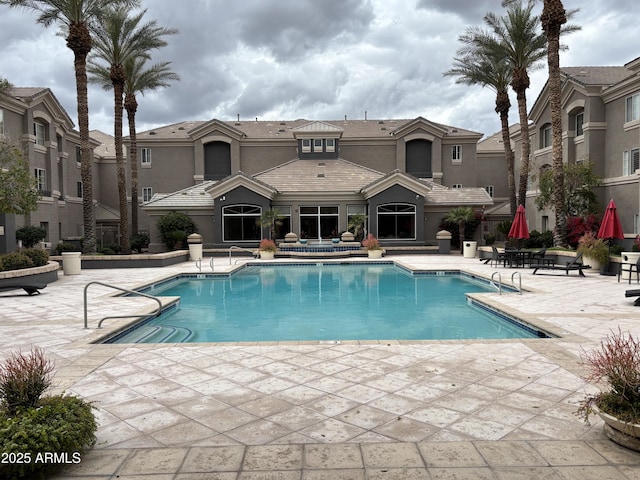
<point x="486" y="66"/>
<point x="461" y="216"/>
<point x="518" y="33"/>
<point x="552" y="18"/>
<point x="120" y="37"/>
<point x="138" y="80"/>
<point x="77" y="17"/>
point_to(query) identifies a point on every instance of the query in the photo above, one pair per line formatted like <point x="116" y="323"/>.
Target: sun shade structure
<point x="519" y="228"/>
<point x="611" y="227"/>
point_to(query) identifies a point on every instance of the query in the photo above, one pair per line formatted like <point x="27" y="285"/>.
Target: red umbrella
<point x="519" y="227"/>
<point x="610" y="227"/>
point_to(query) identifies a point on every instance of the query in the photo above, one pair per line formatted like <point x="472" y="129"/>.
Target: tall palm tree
<point x="553" y="18"/>
<point x="524" y="45"/>
<point x="122" y="36"/>
<point x="487" y="66"/>
<point x="140" y="78"/>
<point x="77" y="18"/>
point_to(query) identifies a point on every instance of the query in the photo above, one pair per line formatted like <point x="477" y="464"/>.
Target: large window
<point x="418" y="153"/>
<point x="283" y="225"/>
<point x="397" y="221"/>
<point x="319" y="222"/>
<point x="358" y="212"/>
<point x="39" y="133"/>
<point x="241" y="223"/>
<point x="217" y="160"/>
<point x="633" y="108"/>
<point x="41" y="180"/>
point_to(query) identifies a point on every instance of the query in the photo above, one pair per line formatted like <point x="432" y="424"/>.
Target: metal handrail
<point x="234" y="247"/>
<point x="199" y="264"/>
<point x="519" y="288"/>
<point x="119" y="316"/>
<point x="499" y="286"/>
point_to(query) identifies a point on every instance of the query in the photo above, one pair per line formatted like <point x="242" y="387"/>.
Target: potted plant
<point x="595" y="251"/>
<point x="615" y="364"/>
<point x="267" y="249"/>
<point x="371" y="243"/>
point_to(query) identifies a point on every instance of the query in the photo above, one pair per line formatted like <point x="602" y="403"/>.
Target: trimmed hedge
<point x="16" y="261"/>
<point x="37" y="256"/>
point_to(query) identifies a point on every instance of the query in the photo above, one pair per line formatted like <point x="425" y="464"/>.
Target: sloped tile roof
<point x="459" y="196"/>
<point x="194" y="196"/>
<point x="318" y="176"/>
<point x="604" y="76"/>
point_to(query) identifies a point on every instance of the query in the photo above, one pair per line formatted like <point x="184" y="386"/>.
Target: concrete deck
<point x="375" y="410"/>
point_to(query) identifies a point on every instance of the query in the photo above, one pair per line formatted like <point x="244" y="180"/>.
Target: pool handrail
<point x="126" y="290"/>
<point x="235" y="247"/>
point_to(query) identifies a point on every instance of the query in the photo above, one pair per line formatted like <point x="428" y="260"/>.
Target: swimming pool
<point x="323" y="302"/>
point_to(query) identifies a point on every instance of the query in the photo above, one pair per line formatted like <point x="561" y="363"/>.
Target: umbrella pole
<point x="606" y="271"/>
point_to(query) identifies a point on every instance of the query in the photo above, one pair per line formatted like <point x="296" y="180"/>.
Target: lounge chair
<point x="31" y="288"/>
<point x="574" y="265"/>
<point x="633" y="293"/>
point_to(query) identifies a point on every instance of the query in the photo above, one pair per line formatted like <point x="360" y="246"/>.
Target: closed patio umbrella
<point x="610" y="228"/>
<point x="519" y="228"/>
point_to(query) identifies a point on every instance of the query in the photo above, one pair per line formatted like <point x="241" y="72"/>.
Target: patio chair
<point x="540" y="258"/>
<point x="497" y="257"/>
<point x="630" y="268"/>
<point x="633" y="293"/>
<point x="574" y="265"/>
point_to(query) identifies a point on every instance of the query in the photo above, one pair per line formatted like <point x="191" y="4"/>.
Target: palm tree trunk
<point x="526" y="148"/>
<point x="131" y="106"/>
<point x="79" y="41"/>
<point x="117" y="77"/>
<point x="552" y="19"/>
<point x="503" y="104"/>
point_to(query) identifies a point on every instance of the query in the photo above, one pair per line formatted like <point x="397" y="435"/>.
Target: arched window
<point x="397" y="221"/>
<point x="241" y="223"/>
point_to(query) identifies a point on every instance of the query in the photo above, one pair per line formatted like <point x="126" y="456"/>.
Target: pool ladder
<point x="133" y="292"/>
<point x="234" y="247"/>
<point x="517" y="288"/>
<point x="199" y="264"/>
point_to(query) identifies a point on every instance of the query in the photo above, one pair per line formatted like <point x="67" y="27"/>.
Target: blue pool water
<point x="324" y="302"/>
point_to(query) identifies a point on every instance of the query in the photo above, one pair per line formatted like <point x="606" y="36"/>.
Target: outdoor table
<point x="517" y="258"/>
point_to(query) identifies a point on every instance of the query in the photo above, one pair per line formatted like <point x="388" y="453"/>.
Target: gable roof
<point x="194" y="196"/>
<point x="30" y="96"/>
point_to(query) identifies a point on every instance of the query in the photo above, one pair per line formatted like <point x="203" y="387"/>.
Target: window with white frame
<point x="147" y="193"/>
<point x="579" y="123"/>
<point x="145" y="157"/>
<point x="39" y="133"/>
<point x="456" y="153"/>
<point x="241" y="223"/>
<point x="397" y="221"/>
<point x="41" y="180"/>
<point x="630" y="161"/>
<point x="489" y="189"/>
<point x="317" y="145"/>
<point x="330" y="144"/>
<point x="306" y="145"/>
<point x="633" y="108"/>
<point x="357" y="212"/>
<point x="545" y="136"/>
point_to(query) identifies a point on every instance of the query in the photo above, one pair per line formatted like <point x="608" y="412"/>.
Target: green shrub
<point x="38" y="257"/>
<point x="23" y="380"/>
<point x="539" y="239"/>
<point x="60" y="425"/>
<point x="112" y="249"/>
<point x="65" y="247"/>
<point x="139" y="241"/>
<point x="16" y="261"/>
<point x="173" y="222"/>
<point x="30" y="235"/>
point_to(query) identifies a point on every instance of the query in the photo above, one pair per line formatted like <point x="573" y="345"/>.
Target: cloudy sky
<point x="313" y="59"/>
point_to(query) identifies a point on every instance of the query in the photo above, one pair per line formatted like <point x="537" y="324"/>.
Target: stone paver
<point x="351" y="410"/>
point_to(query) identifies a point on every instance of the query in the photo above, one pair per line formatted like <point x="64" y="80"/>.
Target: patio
<point x="375" y="410"/>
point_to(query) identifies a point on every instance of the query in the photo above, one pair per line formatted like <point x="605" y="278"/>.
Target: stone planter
<point x="25" y="277"/>
<point x="594" y="264"/>
<point x="374" y="254"/>
<point x="622" y="433"/>
<point x="267" y="255"/>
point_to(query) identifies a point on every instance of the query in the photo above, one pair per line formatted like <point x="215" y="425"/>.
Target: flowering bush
<point x="371" y="243"/>
<point x="267" y="245"/>
<point x="594" y="248"/>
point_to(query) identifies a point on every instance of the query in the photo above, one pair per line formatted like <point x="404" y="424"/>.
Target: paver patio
<point x="376" y="410"/>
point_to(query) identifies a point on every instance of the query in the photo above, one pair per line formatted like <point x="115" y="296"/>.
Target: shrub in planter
<point x="30" y="235"/>
<point x="37" y="256"/>
<point x="65" y="247"/>
<point x="594" y="248"/>
<point x="173" y="222"/>
<point x="139" y="241"/>
<point x="16" y="261"/>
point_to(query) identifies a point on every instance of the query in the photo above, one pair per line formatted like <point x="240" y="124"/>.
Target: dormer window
<point x="306" y="145"/>
<point x="330" y="144"/>
<point x="317" y="145"/>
